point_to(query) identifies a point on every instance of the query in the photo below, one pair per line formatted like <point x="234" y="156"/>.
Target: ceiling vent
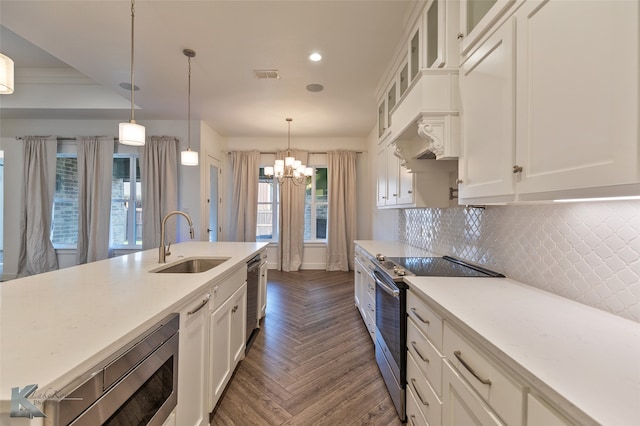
<point x="267" y="74"/>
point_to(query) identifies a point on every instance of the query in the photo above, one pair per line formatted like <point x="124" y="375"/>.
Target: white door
<point x="213" y="199"/>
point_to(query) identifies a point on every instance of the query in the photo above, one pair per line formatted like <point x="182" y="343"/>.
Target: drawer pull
<point x="458" y="355"/>
<point x="371" y="307"/>
<point x="200" y="306"/>
<point x="415" y="348"/>
<point x="412" y="418"/>
<point x="417" y="315"/>
<point x="415" y="388"/>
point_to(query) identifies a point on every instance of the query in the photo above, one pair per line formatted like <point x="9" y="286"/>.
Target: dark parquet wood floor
<point x="312" y="362"/>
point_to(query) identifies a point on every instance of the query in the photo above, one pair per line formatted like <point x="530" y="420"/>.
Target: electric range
<point x="391" y="317"/>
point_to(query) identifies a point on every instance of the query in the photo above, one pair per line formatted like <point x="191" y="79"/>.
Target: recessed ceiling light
<point x="315" y="87"/>
<point x="315" y="57"/>
<point x="127" y="86"/>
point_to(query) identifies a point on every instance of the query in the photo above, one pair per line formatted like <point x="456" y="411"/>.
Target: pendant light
<point x="132" y="133"/>
<point x="289" y="168"/>
<point x="6" y="75"/>
<point x="188" y="157"/>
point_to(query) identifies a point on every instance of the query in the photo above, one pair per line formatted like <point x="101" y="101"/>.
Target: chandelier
<point x="289" y="168"/>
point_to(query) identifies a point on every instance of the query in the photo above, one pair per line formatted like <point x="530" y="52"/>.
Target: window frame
<point x="314" y="210"/>
<point x="131" y="209"/>
<point x="275" y="208"/>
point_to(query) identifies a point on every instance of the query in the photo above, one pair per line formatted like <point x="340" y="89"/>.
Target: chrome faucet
<point x="164" y="251"/>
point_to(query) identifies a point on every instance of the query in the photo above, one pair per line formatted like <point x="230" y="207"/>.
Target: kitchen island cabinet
<point x="192" y="363"/>
<point x="59" y="325"/>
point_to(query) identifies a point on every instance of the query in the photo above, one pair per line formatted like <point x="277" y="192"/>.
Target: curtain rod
<point x="59" y="138"/>
<point x="310" y="153"/>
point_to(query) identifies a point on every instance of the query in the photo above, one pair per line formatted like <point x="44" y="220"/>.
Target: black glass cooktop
<point x="441" y="267"/>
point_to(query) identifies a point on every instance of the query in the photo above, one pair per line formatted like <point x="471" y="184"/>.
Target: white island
<point x="58" y="325"/>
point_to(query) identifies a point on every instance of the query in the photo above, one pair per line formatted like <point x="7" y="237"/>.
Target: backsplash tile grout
<point x="588" y="252"/>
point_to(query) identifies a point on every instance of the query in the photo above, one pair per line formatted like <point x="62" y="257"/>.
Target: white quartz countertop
<point x="392" y="249"/>
<point x="585" y="360"/>
<point x="588" y="358"/>
<point x="57" y="325"/>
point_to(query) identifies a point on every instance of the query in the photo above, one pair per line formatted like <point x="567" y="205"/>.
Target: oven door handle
<point x="394" y="292"/>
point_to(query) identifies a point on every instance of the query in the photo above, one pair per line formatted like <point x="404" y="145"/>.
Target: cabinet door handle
<point x="517" y="169"/>
<point x="417" y="315"/>
<point x="200" y="306"/>
<point x="409" y="192"/>
<point x="415" y="388"/>
<point x="460" y="36"/>
<point x="412" y="418"/>
<point x="458" y="355"/>
<point x="415" y="348"/>
<point x="235" y="308"/>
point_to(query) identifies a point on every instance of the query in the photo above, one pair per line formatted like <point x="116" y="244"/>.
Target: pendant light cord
<point x="132" y="86"/>
<point x="189" y="107"/>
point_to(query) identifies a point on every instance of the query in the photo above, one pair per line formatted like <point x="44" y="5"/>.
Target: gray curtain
<point x="36" y="253"/>
<point x="291" y="242"/>
<point x="341" y="223"/>
<point x="244" y="216"/>
<point x="95" y="167"/>
<point x="159" y="168"/>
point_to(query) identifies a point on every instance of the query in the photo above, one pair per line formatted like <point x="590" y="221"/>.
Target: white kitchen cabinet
<point x="577" y="109"/>
<point x="191" y="409"/>
<point x="487" y="88"/>
<point x="399" y="187"/>
<point x="476" y="19"/>
<point x="496" y="387"/>
<point x="462" y="406"/>
<point x="541" y="414"/>
<point x="262" y="287"/>
<point x="572" y="133"/>
<point x="365" y="291"/>
<point x="227" y="342"/>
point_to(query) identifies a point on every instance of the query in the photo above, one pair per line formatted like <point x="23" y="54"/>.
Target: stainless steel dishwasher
<point x="253" y="281"/>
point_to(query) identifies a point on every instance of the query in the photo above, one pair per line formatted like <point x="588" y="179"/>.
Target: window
<point x="268" y="206"/>
<point x="64" y="226"/>
<point x="126" y="202"/>
<point x="316" y="206"/>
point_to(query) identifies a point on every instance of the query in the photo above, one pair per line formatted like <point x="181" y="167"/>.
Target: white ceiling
<point x="71" y="56"/>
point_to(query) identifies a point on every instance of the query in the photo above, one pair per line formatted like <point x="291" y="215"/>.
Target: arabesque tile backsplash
<point x="589" y="252"/>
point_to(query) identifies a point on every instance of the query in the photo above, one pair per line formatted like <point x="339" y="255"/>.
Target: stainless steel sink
<point x="191" y="265"/>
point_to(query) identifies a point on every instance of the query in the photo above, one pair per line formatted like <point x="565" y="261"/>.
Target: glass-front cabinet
<point x="382" y="117"/>
<point x="476" y="17"/>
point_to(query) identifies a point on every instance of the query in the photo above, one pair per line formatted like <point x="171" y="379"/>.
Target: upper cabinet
<point x="549" y="111"/>
<point x="476" y="19"/>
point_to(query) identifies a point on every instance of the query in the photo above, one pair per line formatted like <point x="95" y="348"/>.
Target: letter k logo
<point x="20" y="405"/>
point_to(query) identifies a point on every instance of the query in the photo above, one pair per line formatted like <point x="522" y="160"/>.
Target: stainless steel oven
<point x="391" y="317"/>
<point x="137" y="386"/>
<point x="391" y="332"/>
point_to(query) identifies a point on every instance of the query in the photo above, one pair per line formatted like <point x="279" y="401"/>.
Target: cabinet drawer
<point x="492" y="383"/>
<point x="427" y="401"/>
<point x="539" y="414"/>
<point x="225" y="288"/>
<point x="370" y="286"/>
<point x="463" y="405"/>
<point x="415" y="417"/>
<point x="427" y="321"/>
<point x="427" y="358"/>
